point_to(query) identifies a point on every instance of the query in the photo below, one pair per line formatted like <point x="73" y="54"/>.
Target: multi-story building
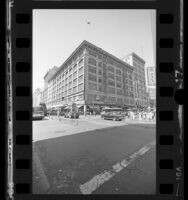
<point x="91" y="76"/>
<point x="47" y="76"/>
<point x="37" y="97"/>
<point x="151" y="85"/>
<point x="139" y="82"/>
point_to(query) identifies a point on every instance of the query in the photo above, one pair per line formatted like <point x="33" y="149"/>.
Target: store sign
<point x="151" y="76"/>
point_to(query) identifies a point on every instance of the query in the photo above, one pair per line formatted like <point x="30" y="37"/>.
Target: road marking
<point x="98" y="180"/>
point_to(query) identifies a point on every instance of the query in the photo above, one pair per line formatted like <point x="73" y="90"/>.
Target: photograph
<point x="94" y="101"/>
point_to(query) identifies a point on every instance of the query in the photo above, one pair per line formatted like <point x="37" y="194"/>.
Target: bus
<point x="38" y="112"/>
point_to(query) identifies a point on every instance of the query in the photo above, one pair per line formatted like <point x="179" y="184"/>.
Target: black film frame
<point x="169" y="69"/>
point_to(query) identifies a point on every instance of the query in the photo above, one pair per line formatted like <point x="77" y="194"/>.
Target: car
<point x="53" y="112"/>
<point x="114" y="114"/>
<point x="38" y="113"/>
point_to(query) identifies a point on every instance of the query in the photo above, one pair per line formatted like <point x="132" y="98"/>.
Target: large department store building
<point x="91" y="77"/>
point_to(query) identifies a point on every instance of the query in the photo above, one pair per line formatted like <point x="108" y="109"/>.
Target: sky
<point x="58" y="32"/>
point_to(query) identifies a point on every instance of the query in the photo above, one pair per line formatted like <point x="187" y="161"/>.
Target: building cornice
<point x="135" y="55"/>
<point x="88" y="44"/>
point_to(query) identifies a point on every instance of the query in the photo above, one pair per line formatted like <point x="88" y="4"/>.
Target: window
<point x="110" y="68"/>
<point x="74" y="89"/>
<point x="70" y="77"/>
<point x="100" y="64"/>
<point x="75" y="82"/>
<point x="118" y="85"/>
<point x="75" y="75"/>
<point x="99" y="56"/>
<point x="111" y="76"/>
<point x="99" y="72"/>
<point x="81" y="78"/>
<point x="92" y="61"/>
<point x="119" y="100"/>
<point x="119" y="92"/>
<point x="92" y="69"/>
<point x="92" y="53"/>
<point x="75" y="67"/>
<point x="100" y="80"/>
<point x="81" y="70"/>
<point x="100" y="88"/>
<point x="92" y="86"/>
<point x="118" y="78"/>
<point x="70" y="84"/>
<point x="81" y="62"/>
<point x="118" y="72"/>
<point x="111" y="90"/>
<point x="111" y="83"/>
<point x="112" y="99"/>
<point x="80" y="87"/>
<point x="70" y="91"/>
<point x="81" y="97"/>
<point x="70" y="70"/>
<point x="92" y="77"/>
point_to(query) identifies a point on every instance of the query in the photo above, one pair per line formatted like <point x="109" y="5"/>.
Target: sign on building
<point x="151" y="76"/>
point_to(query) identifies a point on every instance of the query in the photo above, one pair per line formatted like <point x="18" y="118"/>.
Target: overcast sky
<point x="56" y="34"/>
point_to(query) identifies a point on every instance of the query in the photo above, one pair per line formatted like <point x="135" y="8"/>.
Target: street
<point x="91" y="155"/>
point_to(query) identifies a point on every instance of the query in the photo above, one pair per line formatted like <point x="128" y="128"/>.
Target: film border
<point x="169" y="81"/>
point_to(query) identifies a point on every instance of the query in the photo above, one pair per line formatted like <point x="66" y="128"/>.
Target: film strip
<point x="169" y="137"/>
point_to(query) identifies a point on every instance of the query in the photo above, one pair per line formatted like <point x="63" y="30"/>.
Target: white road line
<point x="98" y="180"/>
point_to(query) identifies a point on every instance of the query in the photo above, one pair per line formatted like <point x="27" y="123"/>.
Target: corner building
<point x="90" y="76"/>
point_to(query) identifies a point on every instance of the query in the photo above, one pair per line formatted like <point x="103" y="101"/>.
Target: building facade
<point x="93" y="77"/>
<point x="37" y="97"/>
<point x="151" y="85"/>
<point x="139" y="80"/>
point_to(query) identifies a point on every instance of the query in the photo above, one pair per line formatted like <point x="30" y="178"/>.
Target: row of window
<point x="66" y="77"/>
<point x="66" y="100"/>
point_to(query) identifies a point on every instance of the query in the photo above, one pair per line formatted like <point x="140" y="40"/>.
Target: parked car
<point x="38" y="113"/>
<point x="53" y="112"/>
<point x="115" y="114"/>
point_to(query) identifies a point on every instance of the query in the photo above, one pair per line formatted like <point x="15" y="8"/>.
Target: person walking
<point x="58" y="114"/>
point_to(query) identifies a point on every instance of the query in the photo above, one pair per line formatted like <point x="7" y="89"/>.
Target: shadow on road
<point x="61" y="164"/>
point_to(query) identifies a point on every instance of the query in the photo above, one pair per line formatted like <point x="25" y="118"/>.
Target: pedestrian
<point x="58" y="114"/>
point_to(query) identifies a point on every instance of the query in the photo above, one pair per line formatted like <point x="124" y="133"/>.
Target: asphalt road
<point x="66" y="164"/>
